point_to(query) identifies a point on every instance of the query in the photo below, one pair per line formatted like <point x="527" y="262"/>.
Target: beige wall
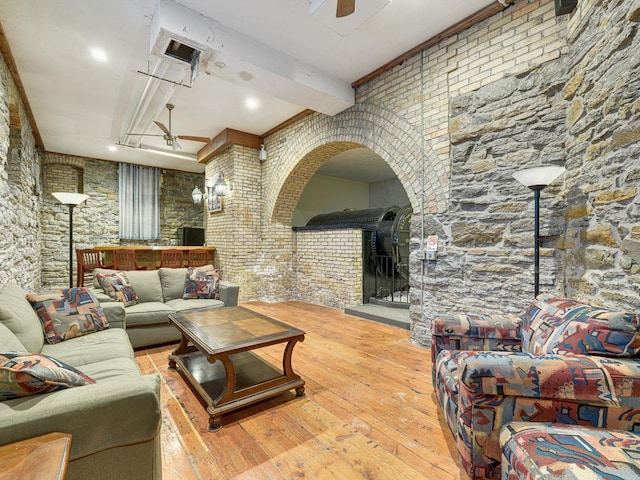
<point x="328" y="194"/>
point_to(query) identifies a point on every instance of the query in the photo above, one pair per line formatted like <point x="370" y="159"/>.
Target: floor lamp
<point x="70" y="200"/>
<point x="537" y="179"/>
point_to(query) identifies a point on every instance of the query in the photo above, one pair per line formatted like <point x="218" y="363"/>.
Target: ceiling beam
<point x="225" y="139"/>
<point x="5" y="50"/>
<point x="471" y="20"/>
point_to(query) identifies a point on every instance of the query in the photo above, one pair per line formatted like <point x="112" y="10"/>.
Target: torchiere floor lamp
<point x="70" y="200"/>
<point x="537" y="179"/>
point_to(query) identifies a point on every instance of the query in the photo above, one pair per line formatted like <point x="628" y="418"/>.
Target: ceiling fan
<point x="345" y="8"/>
<point x="170" y="138"/>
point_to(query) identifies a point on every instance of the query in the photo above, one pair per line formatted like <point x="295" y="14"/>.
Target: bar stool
<point x="171" y="259"/>
<point x="125" y="259"/>
<point x="197" y="258"/>
<point x="87" y="261"/>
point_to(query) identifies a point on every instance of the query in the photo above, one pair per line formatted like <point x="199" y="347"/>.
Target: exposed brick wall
<point x="328" y="266"/>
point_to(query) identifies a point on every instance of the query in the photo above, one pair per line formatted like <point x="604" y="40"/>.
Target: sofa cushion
<point x="24" y="374"/>
<point x="68" y="313"/>
<point x="115" y="368"/>
<point x="541" y="450"/>
<point x="147" y="285"/>
<point x="202" y="282"/>
<point x="100" y="346"/>
<point x="18" y="316"/>
<point x="561" y="325"/>
<point x="118" y="287"/>
<point x="9" y="342"/>
<point x="180" y="305"/>
<point x="172" y="281"/>
<point x="148" y="313"/>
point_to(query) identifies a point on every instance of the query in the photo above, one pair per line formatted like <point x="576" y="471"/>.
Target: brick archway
<point x="318" y="138"/>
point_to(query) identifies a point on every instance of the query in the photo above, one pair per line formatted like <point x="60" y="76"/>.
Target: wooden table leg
<point x="183" y="347"/>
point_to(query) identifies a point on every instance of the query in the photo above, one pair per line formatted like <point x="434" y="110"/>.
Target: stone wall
<point x="96" y="221"/>
<point x="602" y="238"/>
<point x="20" y="190"/>
<point x="328" y="266"/>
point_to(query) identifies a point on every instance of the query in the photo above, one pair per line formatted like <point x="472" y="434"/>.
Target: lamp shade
<point x="537" y="178"/>
<point x="196" y="194"/>
<point x="70" y="198"/>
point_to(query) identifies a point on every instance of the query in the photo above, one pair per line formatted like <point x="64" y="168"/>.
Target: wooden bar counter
<point x="147" y="256"/>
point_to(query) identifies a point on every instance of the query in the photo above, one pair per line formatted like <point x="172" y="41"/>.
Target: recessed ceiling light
<point x="251" y="103"/>
<point x="99" y="54"/>
<point x="113" y="148"/>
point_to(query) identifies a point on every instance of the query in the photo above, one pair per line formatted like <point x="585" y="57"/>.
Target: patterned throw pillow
<point x="117" y="286"/>
<point x="561" y="325"/>
<point x="202" y="282"/>
<point x="25" y="374"/>
<point x="68" y="313"/>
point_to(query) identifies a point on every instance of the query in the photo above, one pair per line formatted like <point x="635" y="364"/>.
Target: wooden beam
<point x="471" y="20"/>
<point x="225" y="139"/>
<point x="5" y="50"/>
<point x="286" y="123"/>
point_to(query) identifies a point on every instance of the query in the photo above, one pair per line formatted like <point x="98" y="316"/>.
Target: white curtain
<point x="139" y="202"/>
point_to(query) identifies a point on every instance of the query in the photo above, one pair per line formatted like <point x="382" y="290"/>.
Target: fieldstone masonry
<point x="95" y="222"/>
<point x="20" y="190"/>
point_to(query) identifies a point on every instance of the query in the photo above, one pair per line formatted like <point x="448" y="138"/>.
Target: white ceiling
<point x="273" y="51"/>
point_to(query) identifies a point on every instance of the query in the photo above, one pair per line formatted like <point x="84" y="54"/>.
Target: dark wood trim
<point x="286" y="123"/>
<point x="5" y="49"/>
<point x="225" y="139"/>
<point x="471" y="20"/>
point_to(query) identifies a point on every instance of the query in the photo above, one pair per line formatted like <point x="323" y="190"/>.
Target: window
<point x="139" y="202"/>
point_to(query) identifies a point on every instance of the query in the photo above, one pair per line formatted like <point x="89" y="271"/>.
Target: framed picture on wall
<point x="214" y="203"/>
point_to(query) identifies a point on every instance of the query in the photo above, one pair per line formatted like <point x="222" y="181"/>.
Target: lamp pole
<point x="70" y="200"/>
<point x="537" y="179"/>
<point x="536" y="237"/>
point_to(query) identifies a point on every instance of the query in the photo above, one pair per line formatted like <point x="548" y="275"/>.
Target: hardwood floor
<point x="369" y="411"/>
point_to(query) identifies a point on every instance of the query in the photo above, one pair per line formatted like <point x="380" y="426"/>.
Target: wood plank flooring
<point x="369" y="411"/>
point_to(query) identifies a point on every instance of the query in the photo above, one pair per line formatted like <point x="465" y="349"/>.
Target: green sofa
<point x="159" y="295"/>
<point x="115" y="423"/>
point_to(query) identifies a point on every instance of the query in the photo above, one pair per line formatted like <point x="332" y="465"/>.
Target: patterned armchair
<point x="563" y="362"/>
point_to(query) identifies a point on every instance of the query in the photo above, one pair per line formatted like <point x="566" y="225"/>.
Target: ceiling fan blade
<point x="144" y="134"/>
<point x="194" y="139"/>
<point x="162" y="127"/>
<point x="345" y="7"/>
<point x="176" y="145"/>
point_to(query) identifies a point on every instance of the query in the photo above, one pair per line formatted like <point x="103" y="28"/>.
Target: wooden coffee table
<point x="215" y="357"/>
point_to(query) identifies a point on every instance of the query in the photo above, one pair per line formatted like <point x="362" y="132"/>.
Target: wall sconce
<point x="197" y="195"/>
<point x="537" y="179"/>
<point x="214" y="186"/>
<point x="262" y="154"/>
<point x="220" y="187"/>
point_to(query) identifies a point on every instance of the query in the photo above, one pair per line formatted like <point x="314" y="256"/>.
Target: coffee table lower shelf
<point x="233" y="381"/>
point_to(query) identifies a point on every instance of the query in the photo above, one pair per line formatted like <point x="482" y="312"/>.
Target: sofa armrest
<point x="228" y="293"/>
<point x="557" y="377"/>
<point x="111" y="413"/>
<point x="474" y="332"/>
<point x="115" y="313"/>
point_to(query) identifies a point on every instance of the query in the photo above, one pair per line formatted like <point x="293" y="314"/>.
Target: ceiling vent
<point x="182" y="52"/>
